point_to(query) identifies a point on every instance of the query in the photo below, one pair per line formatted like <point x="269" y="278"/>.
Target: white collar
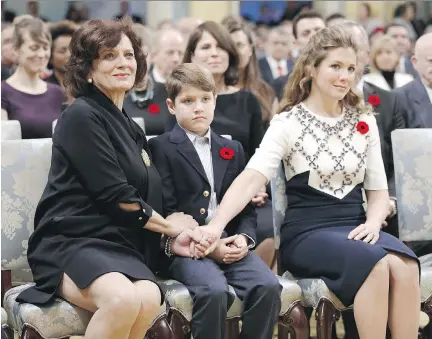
<point x="157" y="76"/>
<point x="193" y="136"/>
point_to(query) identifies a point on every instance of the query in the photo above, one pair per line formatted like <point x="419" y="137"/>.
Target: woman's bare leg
<point x="404" y="313"/>
<point x="113" y="299"/>
<point x="371" y="303"/>
<point x="266" y="251"/>
<point x="150" y="296"/>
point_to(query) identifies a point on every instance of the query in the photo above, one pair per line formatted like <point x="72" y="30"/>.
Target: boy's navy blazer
<point x="185" y="185"/>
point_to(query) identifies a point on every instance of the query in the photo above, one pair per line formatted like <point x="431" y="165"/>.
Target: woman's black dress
<point x="97" y="163"/>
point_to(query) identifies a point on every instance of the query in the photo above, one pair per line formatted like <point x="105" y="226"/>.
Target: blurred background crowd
<point x="251" y="45"/>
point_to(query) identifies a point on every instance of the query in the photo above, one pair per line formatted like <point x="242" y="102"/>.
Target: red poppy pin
<point x="374" y="100"/>
<point x="362" y="127"/>
<point x="226" y="153"/>
<point x="154" y="109"/>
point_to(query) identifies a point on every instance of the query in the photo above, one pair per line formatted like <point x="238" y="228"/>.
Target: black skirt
<point x="341" y="263"/>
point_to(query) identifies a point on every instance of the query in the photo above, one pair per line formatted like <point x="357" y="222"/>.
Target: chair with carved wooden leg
<point x="24" y="168"/>
<point x="412" y="156"/>
<point x="315" y="293"/>
<point x="292" y="317"/>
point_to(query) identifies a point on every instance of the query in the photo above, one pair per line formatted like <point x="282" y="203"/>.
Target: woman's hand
<point x="180" y="222"/>
<point x="368" y="231"/>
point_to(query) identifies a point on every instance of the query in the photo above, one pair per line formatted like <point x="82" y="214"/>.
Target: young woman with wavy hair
<point x="327" y="140"/>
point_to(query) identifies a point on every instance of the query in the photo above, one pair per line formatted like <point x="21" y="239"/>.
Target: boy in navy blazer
<point x="197" y="167"/>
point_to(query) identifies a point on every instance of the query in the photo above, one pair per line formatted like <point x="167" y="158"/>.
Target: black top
<point x="239" y="115"/>
<point x="52" y="79"/>
<point x="150" y="105"/>
<point x="80" y="229"/>
<point x="389" y="77"/>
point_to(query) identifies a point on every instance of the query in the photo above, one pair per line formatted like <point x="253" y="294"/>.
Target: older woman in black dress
<point x="98" y="223"/>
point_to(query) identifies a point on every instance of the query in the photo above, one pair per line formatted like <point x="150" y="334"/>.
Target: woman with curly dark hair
<point x="98" y="224"/>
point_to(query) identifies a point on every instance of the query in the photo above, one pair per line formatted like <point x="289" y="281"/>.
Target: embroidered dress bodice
<point x="337" y="154"/>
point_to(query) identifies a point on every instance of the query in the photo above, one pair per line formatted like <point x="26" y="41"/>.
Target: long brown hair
<point x="250" y="76"/>
<point x="299" y="83"/>
<point x="225" y="42"/>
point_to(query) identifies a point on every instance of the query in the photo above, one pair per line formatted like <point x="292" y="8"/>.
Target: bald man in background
<point x="417" y="95"/>
<point x="168" y="50"/>
<point x="186" y="26"/>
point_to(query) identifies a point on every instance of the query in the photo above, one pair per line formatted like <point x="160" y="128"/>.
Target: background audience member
<point x="404" y="15"/>
<point x="7" y="53"/>
<point x="334" y="19"/>
<point x="61" y="35"/>
<point x="187" y="25"/>
<point x="147" y="99"/>
<point x="305" y="25"/>
<point x="276" y="62"/>
<point x="25" y="96"/>
<point x="385" y="59"/>
<point x="167" y="53"/>
<point x="365" y="18"/>
<point x="399" y="33"/>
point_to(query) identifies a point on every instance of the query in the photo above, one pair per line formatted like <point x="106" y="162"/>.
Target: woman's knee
<point x="403" y="270"/>
<point x="381" y="270"/>
<point x="150" y="297"/>
<point x="115" y="293"/>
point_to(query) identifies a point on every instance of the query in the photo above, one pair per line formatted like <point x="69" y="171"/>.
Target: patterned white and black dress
<point x="327" y="163"/>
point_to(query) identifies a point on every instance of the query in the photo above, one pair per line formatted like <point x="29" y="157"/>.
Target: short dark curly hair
<point x="86" y="44"/>
<point x="225" y="42"/>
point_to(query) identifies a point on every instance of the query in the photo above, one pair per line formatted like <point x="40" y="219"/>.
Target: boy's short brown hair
<point x="189" y="74"/>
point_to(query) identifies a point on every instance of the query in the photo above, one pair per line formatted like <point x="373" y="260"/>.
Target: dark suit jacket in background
<point x="279" y="85"/>
<point x="389" y="118"/>
<point x="185" y="184"/>
<point x="409" y="68"/>
<point x="417" y="105"/>
<point x="266" y="72"/>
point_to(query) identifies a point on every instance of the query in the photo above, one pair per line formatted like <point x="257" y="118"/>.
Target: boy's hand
<point x="222" y="249"/>
<point x="238" y="250"/>
<point x="260" y="198"/>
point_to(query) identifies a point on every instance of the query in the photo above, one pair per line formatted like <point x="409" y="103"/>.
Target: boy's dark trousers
<point x="207" y="282"/>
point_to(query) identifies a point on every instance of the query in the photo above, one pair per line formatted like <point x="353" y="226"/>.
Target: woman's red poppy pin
<point x="154" y="109"/>
<point x="362" y="127"/>
<point x="226" y="153"/>
<point x="374" y="100"/>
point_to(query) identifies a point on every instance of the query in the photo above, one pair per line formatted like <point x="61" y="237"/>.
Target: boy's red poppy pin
<point x="226" y="153"/>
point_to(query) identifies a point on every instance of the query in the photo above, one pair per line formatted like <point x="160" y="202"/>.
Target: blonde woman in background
<point x="384" y="63"/>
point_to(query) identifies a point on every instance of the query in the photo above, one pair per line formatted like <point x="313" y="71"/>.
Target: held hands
<point x="192" y="242"/>
<point x="179" y="223"/>
<point x="368" y="232"/>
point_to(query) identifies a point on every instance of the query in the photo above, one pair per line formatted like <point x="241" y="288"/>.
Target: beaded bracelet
<point x="168" y="252"/>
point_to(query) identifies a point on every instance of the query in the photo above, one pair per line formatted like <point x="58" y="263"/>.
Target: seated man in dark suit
<point x="276" y="62"/>
<point x="417" y="100"/>
<point x="304" y="26"/>
<point x="197" y="167"/>
<point x="417" y="95"/>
